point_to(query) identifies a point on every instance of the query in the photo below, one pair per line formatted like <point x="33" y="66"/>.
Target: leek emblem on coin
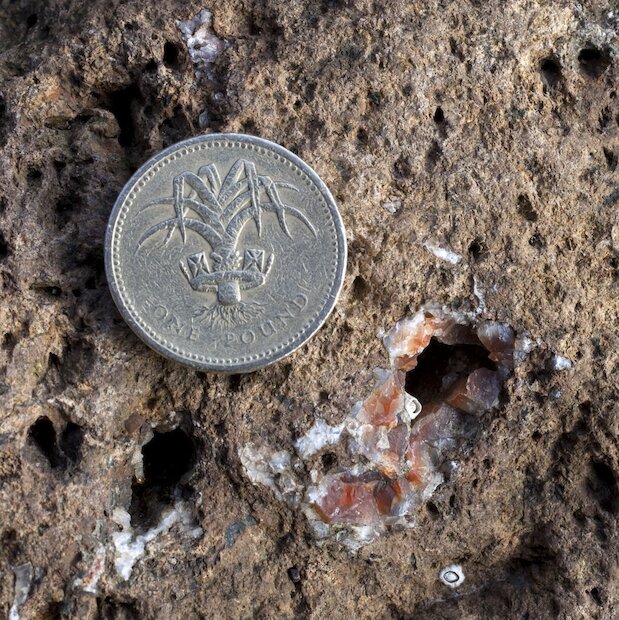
<point x="217" y="211"/>
<point x="225" y="252"/>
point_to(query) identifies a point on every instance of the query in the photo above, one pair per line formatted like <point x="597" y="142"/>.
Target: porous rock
<point x="494" y="128"/>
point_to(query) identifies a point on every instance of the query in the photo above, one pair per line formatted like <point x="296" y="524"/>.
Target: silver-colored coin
<point x="225" y="252"/>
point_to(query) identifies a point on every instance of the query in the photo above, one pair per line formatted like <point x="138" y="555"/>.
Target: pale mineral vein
<point x="443" y="253"/>
<point x="317" y="437"/>
<point x="271" y="468"/>
<point x="130" y="548"/>
<point x="23" y="581"/>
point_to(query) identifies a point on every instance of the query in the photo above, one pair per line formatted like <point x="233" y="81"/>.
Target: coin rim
<point x="331" y="299"/>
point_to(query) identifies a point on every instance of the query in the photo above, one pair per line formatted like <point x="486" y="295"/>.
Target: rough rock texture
<point x="472" y="148"/>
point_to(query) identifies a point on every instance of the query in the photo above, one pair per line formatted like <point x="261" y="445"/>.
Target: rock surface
<point x="472" y="148"/>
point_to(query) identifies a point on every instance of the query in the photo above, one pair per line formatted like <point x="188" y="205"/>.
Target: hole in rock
<point x="611" y="159"/>
<point x="52" y="291"/>
<point x="477" y="249"/>
<point x="234" y="382"/>
<point x="294" y="573"/>
<point x="34" y="176"/>
<point x="328" y="460"/>
<point x="254" y="28"/>
<point x="593" y="62"/>
<point x="402" y="168"/>
<point x="393" y="453"/>
<point x="122" y="104"/>
<point x="250" y="126"/>
<point x="440" y="366"/>
<point x="11" y="544"/>
<point x="175" y="128"/>
<point x="605" y="118"/>
<point x="525" y="208"/>
<point x="360" y="288"/>
<point x="455" y="49"/>
<point x="71" y="441"/>
<point x="111" y="609"/>
<point x="362" y="136"/>
<point x="4" y="248"/>
<point x="550" y="71"/>
<point x="375" y="97"/>
<point x="170" y="55"/>
<point x="43" y="435"/>
<point x="167" y="457"/>
<point x="537" y="241"/>
<point x="603" y="486"/>
<point x="439" y="116"/>
<point x="310" y="91"/>
<point x="433" y="511"/>
<point x="31" y="20"/>
<point x="594" y="593"/>
<point x="8" y="342"/>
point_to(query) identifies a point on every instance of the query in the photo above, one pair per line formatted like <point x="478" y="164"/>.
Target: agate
<point x="402" y="446"/>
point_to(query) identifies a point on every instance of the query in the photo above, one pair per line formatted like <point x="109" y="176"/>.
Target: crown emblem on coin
<point x="217" y="211"/>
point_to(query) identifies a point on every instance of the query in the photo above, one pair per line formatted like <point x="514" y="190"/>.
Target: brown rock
<point x="492" y="125"/>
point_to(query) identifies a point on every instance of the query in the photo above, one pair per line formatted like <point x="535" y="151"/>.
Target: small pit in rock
<point x="124" y="105"/>
<point x="593" y="61"/>
<point x="167" y="458"/>
<point x="445" y="372"/>
<point x="4" y="248"/>
<point x="71" y="441"/>
<point x="550" y="71"/>
<point x="525" y="208"/>
<point x="63" y="452"/>
<point x="171" y="55"/>
<point x="477" y="250"/>
<point x="440" y="366"/>
<point x="43" y="435"/>
<point x="602" y="485"/>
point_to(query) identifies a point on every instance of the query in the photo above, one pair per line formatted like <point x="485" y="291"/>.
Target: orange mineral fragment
<point x="399" y="448"/>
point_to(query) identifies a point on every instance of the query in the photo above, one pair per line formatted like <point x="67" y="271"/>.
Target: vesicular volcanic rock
<point x="472" y="149"/>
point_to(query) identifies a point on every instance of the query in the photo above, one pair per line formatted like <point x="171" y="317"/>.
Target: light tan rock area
<point x="472" y="148"/>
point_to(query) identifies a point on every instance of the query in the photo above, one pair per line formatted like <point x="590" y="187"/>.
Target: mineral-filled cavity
<point x="400" y="443"/>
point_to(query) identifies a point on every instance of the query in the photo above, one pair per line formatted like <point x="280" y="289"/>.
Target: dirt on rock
<point x="472" y="148"/>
